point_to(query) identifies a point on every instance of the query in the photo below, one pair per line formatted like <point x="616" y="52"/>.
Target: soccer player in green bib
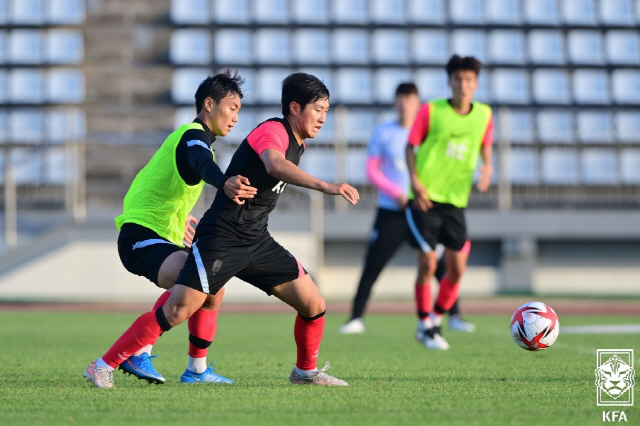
<point x="155" y="222"/>
<point x="444" y="144"/>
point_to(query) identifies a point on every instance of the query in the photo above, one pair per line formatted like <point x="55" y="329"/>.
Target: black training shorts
<point x="444" y="223"/>
<point x="263" y="264"/>
<point x="142" y="251"/>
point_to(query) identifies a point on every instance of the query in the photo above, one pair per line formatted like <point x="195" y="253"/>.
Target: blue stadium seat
<point x="26" y="47"/>
<point x="4" y="126"/>
<point x="388" y="11"/>
<point x="65" y="47"/>
<point x="541" y="12"/>
<point x="27" y="12"/>
<point x="555" y="126"/>
<point x="66" y="12"/>
<point x="4" y="47"/>
<point x="271" y="11"/>
<point x="4" y="12"/>
<point x="190" y="12"/>
<point x="386" y="82"/>
<point x="599" y="166"/>
<point x="591" y="87"/>
<point x="521" y="128"/>
<point x="311" y="46"/>
<point x="353" y="85"/>
<point x="628" y="126"/>
<point x="272" y="46"/>
<point x="27" y="166"/>
<point x="231" y="46"/>
<point x="523" y="166"/>
<point x="350" y="11"/>
<point x="483" y="94"/>
<point x="559" y="166"/>
<point x="432" y="83"/>
<point x="4" y="88"/>
<point x="350" y="46"/>
<point x="630" y="166"/>
<point x="319" y="162"/>
<point x="427" y="11"/>
<point x="26" y="86"/>
<point x="579" y="12"/>
<point x="429" y="47"/>
<point x="595" y="126"/>
<point x="184" y="83"/>
<point x="626" y="86"/>
<point x="506" y="47"/>
<point x="551" y="86"/>
<point x="360" y="122"/>
<point x="585" y="47"/>
<point x="466" y="11"/>
<point x="469" y="43"/>
<point x="510" y="86"/>
<point x="616" y="12"/>
<point x="55" y="166"/>
<point x="190" y="47"/>
<point x="65" y="124"/>
<point x="546" y="47"/>
<point x="26" y="125"/>
<point x="503" y="12"/>
<point x="623" y="47"/>
<point x="390" y="47"/>
<point x="357" y="166"/>
<point x="65" y="86"/>
<point x="314" y="12"/>
<point x="268" y="84"/>
<point x="184" y="115"/>
<point x="232" y="12"/>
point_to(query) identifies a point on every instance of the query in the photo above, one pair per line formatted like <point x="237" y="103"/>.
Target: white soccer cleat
<point x="458" y="324"/>
<point x="355" y="326"/>
<point x="318" y="377"/>
<point x="431" y="338"/>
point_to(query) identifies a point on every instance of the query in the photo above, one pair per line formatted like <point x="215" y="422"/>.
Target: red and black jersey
<point x="247" y="223"/>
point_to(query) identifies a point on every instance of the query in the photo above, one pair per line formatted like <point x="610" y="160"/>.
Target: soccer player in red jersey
<point x="444" y="144"/>
<point x="233" y="240"/>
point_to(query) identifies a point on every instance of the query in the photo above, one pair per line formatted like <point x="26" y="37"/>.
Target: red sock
<point x="202" y="330"/>
<point x="424" y="300"/>
<point x="447" y="295"/>
<point x="159" y="304"/>
<point x="142" y="331"/>
<point x="308" y="335"/>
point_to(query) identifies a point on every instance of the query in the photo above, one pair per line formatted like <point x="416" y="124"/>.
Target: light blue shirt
<point x="388" y="141"/>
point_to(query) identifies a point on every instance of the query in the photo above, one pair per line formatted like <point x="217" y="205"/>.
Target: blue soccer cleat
<point x="208" y="376"/>
<point x="141" y="367"/>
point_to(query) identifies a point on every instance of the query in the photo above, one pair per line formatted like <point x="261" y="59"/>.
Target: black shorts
<point x="444" y="223"/>
<point x="142" y="251"/>
<point x="264" y="264"/>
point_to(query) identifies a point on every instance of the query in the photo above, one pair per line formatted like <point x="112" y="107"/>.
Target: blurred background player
<point x="233" y="240"/>
<point x="387" y="170"/>
<point x="442" y="153"/>
<point x="152" y="226"/>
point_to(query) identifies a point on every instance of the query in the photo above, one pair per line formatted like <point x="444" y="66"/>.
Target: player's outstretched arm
<point x="420" y="193"/>
<point x="280" y="168"/>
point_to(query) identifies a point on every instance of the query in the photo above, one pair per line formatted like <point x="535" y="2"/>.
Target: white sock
<point x="197" y="365"/>
<point x="426" y="323"/>
<point x="102" y="364"/>
<point x="145" y="350"/>
<point x="302" y="372"/>
<point x="437" y="319"/>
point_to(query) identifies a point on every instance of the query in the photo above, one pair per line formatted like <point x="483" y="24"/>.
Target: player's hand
<point x="485" y="178"/>
<point x="238" y="188"/>
<point x="189" y="230"/>
<point x="421" y="199"/>
<point x="347" y="191"/>
<point x="402" y="201"/>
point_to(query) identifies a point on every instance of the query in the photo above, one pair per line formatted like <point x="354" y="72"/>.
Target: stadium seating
<point x="506" y="47"/>
<point x="469" y="43"/>
<point x="26" y="86"/>
<point x="627" y="125"/>
<point x="626" y="86"/>
<point x="319" y="162"/>
<point x="617" y="12"/>
<point x="427" y="11"/>
<point x="630" y="166"/>
<point x="65" y="86"/>
<point x="466" y="11"/>
<point x="585" y="47"/>
<point x="599" y="166"/>
<point x="510" y="86"/>
<point x="353" y="85"/>
<point x="429" y="47"/>
<point x="268" y="89"/>
<point x="546" y="47"/>
<point x="231" y="12"/>
<point x="388" y="12"/>
<point x="66" y="12"/>
<point x="271" y="12"/>
<point x="579" y="12"/>
<point x="232" y="46"/>
<point x="432" y="83"/>
<point x="184" y="83"/>
<point x="503" y="12"/>
<point x="350" y="11"/>
<point x="541" y="12"/>
<point x="559" y="166"/>
<point x="190" y="11"/>
<point x="591" y="87"/>
<point x="555" y="126"/>
<point x="595" y="126"/>
<point x="190" y="47"/>
<point x="390" y="47"/>
<point x="551" y="86"/>
<point x="314" y="12"/>
<point x="386" y="82"/>
<point x="64" y="47"/>
<point x="26" y="125"/>
<point x="27" y="12"/>
<point x="350" y="46"/>
<point x="311" y="46"/>
<point x="272" y="46"/>
<point x="523" y="166"/>
<point x="623" y="47"/>
<point x="26" y="47"/>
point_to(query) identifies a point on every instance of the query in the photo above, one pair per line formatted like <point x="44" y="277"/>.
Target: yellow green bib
<point x="158" y="198"/>
<point x="447" y="158"/>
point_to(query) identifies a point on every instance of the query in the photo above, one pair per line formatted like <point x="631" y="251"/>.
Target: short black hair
<point x="218" y="86"/>
<point x="302" y="88"/>
<point x="406" y="89"/>
<point x="468" y="63"/>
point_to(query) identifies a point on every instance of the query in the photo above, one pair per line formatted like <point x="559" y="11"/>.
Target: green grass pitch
<point x="485" y="379"/>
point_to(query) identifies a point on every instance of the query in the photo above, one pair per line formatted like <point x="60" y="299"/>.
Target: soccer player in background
<point x="233" y="240"/>
<point x="444" y="144"/>
<point x="154" y="221"/>
<point x="387" y="171"/>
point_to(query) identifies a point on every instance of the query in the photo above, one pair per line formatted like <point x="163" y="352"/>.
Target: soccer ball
<point x="535" y="326"/>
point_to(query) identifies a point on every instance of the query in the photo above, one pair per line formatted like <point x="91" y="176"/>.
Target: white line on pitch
<point x="601" y="329"/>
